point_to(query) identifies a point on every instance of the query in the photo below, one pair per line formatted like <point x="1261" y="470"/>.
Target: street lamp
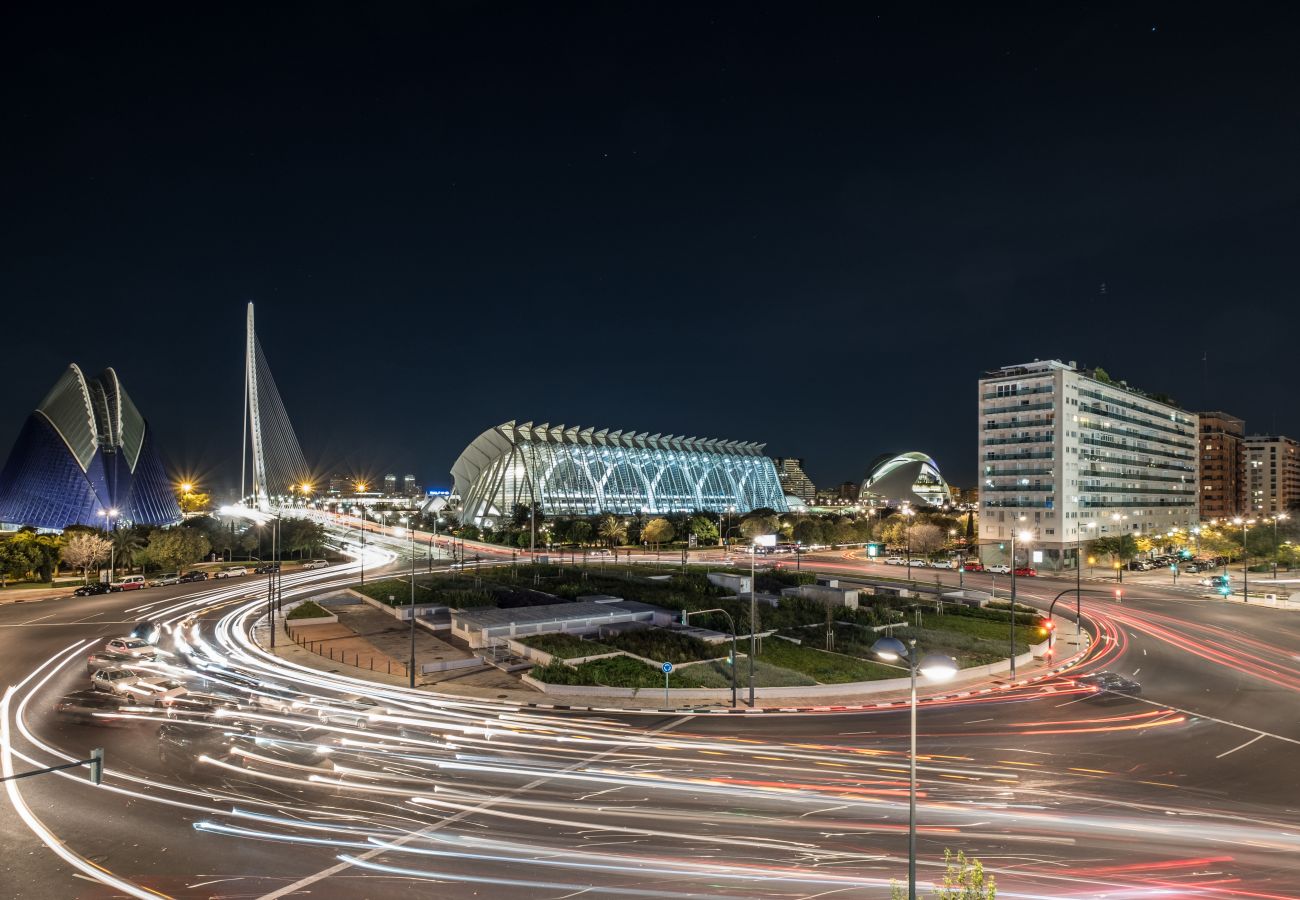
<point x="110" y="522"/>
<point x="1078" y="581"/>
<point x="1024" y="537"/>
<point x="411" y="528"/>
<point x="1245" y="558"/>
<point x="907" y="537"/>
<point x="935" y="667"/>
<point x="1276" y="548"/>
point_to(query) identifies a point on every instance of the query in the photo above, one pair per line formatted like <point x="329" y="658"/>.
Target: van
<point x="128" y="583"/>
<point x="231" y="572"/>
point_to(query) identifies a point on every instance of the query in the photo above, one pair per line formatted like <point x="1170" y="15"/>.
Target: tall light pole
<point x="1078" y="584"/>
<point x="935" y="667"/>
<point x="1275" y="543"/>
<point x="767" y="540"/>
<point x="110" y="523"/>
<point x="1245" y="558"/>
<point x="410" y="522"/>
<point x="908" y="512"/>
<point x="1025" y="537"/>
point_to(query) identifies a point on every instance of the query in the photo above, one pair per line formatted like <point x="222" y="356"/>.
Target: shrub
<point x="659" y="645"/>
<point x="309" y="610"/>
<point x="565" y="646"/>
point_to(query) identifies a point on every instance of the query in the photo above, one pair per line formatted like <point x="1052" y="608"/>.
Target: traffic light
<point x="1173" y="567"/>
<point x="1186" y="554"/>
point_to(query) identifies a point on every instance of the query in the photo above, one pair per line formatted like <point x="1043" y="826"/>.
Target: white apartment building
<point x="1272" y="474"/>
<point x="1069" y="454"/>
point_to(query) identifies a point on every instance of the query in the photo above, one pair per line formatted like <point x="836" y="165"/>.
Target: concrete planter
<point x="315" y="620"/>
<point x="401" y="613"/>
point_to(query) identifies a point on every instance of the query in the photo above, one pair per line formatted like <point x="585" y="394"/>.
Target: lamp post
<point x="1078" y="581"/>
<point x="1025" y="537"/>
<point x="410" y="523"/>
<point x="1245" y="558"/>
<point x="936" y="667"/>
<point x="908" y="512"/>
<point x="1275" y="543"/>
<point x="110" y="523"/>
<point x="686" y="620"/>
<point x="1196" y="533"/>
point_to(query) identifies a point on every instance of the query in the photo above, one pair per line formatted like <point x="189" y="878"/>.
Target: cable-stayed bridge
<point x="279" y="468"/>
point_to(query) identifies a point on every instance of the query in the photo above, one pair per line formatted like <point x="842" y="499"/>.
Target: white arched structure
<point x="912" y="478"/>
<point x="582" y="471"/>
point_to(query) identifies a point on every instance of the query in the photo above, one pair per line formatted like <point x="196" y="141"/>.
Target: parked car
<point x="998" y="569"/>
<point x="1191" y="569"/>
<point x="266" y="569"/>
<point x="974" y="567"/>
<point x="1027" y="571"/>
<point x="231" y="572"/>
<point x="170" y="578"/>
<point x="128" y="583"/>
<point x="322" y="563"/>
<point x="944" y="564"/>
<point x="918" y="563"/>
<point x="190" y="577"/>
<point x="94" y="589"/>
<point x="895" y="561"/>
<point x="1110" y="682"/>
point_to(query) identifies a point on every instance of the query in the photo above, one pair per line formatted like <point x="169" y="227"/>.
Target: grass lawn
<point x="565" y="646"/>
<point x="309" y="610"/>
<point x="660" y="646"/>
<point x="823" y="667"/>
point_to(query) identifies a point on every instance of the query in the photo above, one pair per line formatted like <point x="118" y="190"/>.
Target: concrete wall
<point x="737" y="584"/>
<point x="831" y="596"/>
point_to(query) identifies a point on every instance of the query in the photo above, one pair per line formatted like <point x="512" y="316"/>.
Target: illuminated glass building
<point x="84" y="452"/>
<point x="904" y="478"/>
<point x="582" y="471"/>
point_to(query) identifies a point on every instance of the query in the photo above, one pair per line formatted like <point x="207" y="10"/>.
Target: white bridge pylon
<point x="279" y="467"/>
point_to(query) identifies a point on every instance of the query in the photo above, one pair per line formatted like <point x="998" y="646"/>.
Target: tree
<point x="757" y="525"/>
<point x="613" y="530"/>
<point x="174" y="548"/>
<point x="809" y="531"/>
<point x="843" y="532"/>
<point x="580" y="531"/>
<point x="970" y="528"/>
<point x="963" y="879"/>
<point x="658" y="531"/>
<point x="469" y="533"/>
<point x="925" y="538"/>
<point x="15" y="562"/>
<point x="195" y="503"/>
<point x="40" y="553"/>
<point x="704" y="529"/>
<point x="128" y="542"/>
<point x="85" y="549"/>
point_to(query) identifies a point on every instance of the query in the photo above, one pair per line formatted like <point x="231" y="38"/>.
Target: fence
<point x="355" y="658"/>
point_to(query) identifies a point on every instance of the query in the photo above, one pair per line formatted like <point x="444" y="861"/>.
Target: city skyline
<point x="557" y="199"/>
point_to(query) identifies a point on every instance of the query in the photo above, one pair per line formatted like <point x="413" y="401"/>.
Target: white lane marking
<point x="977" y="721"/>
<point x="1135" y="671"/>
<point x="1242" y="747"/>
<point x="442" y="823"/>
<point x="39" y="618"/>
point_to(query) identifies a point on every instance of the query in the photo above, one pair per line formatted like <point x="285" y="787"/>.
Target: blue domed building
<point x="86" y="455"/>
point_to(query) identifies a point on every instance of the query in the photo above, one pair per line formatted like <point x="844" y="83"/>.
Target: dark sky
<point x="807" y="225"/>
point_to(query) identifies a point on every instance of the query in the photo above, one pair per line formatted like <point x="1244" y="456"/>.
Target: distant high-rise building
<point x="794" y="481"/>
<point x="408" y="486"/>
<point x="1071" y="454"/>
<point x="848" y="490"/>
<point x="1223" y="465"/>
<point x="390" y="484"/>
<point x="1272" y="474"/>
<point x="340" y="484"/>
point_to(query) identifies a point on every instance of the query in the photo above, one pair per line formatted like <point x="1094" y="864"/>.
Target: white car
<point x="998" y="570"/>
<point x="133" y="647"/>
<point x="919" y="564"/>
<point x="130" y="683"/>
<point x="315" y="564"/>
<point x="944" y="564"/>
<point x="895" y="561"/>
<point x="231" y="572"/>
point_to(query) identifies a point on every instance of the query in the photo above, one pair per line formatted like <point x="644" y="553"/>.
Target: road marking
<point x="37" y="619"/>
<point x="977" y="721"/>
<point x="442" y="823"/>
<point x="1242" y="747"/>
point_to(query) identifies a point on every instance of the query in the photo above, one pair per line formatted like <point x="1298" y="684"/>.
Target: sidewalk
<point x="31" y="595"/>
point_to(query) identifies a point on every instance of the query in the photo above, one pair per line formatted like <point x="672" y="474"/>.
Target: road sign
<point x="667" y="667"/>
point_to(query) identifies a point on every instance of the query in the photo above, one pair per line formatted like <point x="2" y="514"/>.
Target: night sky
<point x="813" y="226"/>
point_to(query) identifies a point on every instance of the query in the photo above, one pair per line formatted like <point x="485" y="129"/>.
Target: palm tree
<point x="127" y="542"/>
<point x="613" y="530"/>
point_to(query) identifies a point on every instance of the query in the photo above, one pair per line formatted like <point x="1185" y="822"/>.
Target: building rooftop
<point x="1097" y="374"/>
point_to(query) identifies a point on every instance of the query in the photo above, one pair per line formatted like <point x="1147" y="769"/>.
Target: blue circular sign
<point x="667" y="667"/>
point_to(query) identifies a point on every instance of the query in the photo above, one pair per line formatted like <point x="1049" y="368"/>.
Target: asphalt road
<point x="1187" y="791"/>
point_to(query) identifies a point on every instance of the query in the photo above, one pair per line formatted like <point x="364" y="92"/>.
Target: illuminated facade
<point x="85" y="453"/>
<point x="904" y="478"/>
<point x="584" y="471"/>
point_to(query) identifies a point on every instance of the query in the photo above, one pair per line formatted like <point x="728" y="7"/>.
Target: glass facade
<point x="84" y="451"/>
<point x="911" y="478"/>
<point x="583" y="471"/>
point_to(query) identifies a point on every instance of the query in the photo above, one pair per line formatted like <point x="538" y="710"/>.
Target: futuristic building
<point x="85" y="452"/>
<point x="582" y="471"/>
<point x="912" y="478"/>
